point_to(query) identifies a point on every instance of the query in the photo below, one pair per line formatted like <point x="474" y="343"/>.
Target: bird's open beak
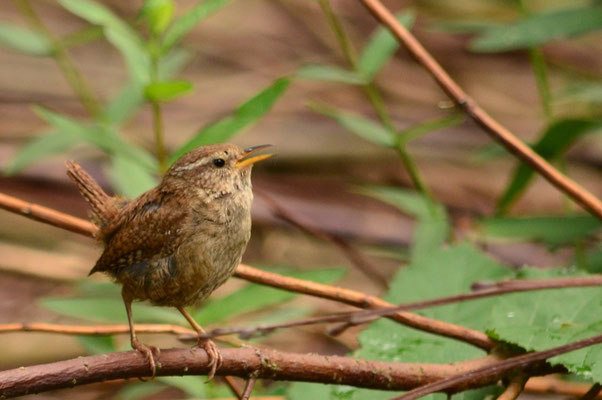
<point x="250" y="157"/>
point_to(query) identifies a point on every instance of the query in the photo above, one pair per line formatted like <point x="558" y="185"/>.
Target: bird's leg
<point x="147" y="351"/>
<point x="215" y="357"/>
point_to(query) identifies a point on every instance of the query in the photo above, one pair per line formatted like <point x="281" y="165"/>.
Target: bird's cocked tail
<point x="102" y="205"/>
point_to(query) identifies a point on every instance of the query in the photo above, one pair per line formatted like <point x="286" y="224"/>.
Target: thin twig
<point x="346" y="296"/>
<point x="554" y="385"/>
<point x="593" y="392"/>
<point x="361" y="317"/>
<point x="356" y="258"/>
<point x="514" y="388"/>
<point x="472" y="109"/>
<point x="242" y="362"/>
<point x="47" y="215"/>
<point x="248" y="389"/>
<point x="358" y="299"/>
<point x="498" y="369"/>
<point x="233" y="386"/>
<point x="96" y="330"/>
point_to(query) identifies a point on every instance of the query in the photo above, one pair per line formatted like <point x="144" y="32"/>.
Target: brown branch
<point x="363" y="300"/>
<point x="47" y="215"/>
<point x="356" y="258"/>
<point x="361" y="317"/>
<point x="243" y="362"/>
<point x="248" y="389"/>
<point x="514" y="388"/>
<point x="233" y="386"/>
<point x="346" y="296"/>
<point x="553" y="385"/>
<point x="480" y="116"/>
<point x="523" y="285"/>
<point x="502" y="367"/>
<point x="96" y="330"/>
<point x="593" y="392"/>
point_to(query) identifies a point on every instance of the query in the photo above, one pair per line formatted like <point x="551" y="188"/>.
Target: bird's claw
<point x="213" y="354"/>
<point x="149" y="352"/>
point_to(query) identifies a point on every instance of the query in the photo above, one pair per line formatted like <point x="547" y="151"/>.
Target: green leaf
<point x="588" y="92"/>
<point x="555" y="231"/>
<point x="555" y="140"/>
<point x="254" y="297"/>
<point x="380" y="48"/>
<point x="127" y="101"/>
<point x="129" y="178"/>
<point x="117" y="32"/>
<point x="43" y="146"/>
<point x="441" y="272"/>
<point x="111" y="310"/>
<point x="432" y="229"/>
<point x="548" y="318"/>
<point x="330" y="73"/>
<point x="185" y="23"/>
<point x="24" y="40"/>
<point x="158" y="14"/>
<point x="243" y="117"/>
<point x="539" y="29"/>
<point x="361" y="126"/>
<point x="131" y="96"/>
<point x="100" y="136"/>
<point x="167" y="91"/>
<point x="421" y="129"/>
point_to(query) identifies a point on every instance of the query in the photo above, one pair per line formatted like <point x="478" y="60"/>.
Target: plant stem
<point x="61" y="57"/>
<point x="374" y="96"/>
<point x="159" y="140"/>
<point x="157" y="113"/>
<point x="339" y="32"/>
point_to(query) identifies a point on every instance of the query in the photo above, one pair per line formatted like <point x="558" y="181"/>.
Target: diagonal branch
<point x="244" y="362"/>
<point x="502" y="367"/>
<point x="347" y="296"/>
<point x="480" y="116"/>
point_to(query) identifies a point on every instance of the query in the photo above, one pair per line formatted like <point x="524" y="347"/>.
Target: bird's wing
<point x="145" y="229"/>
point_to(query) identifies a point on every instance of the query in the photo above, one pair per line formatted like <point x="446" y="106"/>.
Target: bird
<point x="178" y="242"/>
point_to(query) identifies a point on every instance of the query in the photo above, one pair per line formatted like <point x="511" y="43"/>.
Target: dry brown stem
<point x="555" y="385"/>
<point x="480" y="116"/>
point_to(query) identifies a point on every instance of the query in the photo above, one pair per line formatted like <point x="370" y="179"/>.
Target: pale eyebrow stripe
<point x="195" y="164"/>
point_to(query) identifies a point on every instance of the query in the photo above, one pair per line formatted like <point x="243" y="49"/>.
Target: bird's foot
<point x="149" y="352"/>
<point x="214" y="355"/>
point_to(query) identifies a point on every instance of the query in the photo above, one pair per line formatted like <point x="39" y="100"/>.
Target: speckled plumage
<point x="178" y="242"/>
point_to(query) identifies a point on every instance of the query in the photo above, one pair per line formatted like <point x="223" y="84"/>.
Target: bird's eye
<point x="219" y="162"/>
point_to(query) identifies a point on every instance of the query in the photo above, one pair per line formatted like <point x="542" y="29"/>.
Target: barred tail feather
<point x="102" y="205"/>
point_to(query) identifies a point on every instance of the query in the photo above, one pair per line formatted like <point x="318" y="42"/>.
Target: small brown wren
<point x="178" y="242"/>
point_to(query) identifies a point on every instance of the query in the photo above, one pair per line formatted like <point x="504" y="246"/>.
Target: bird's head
<point x="217" y="170"/>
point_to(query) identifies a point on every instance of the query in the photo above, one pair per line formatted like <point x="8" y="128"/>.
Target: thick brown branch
<point x="473" y="110"/>
<point x="244" y="362"/>
<point x="346" y="296"/>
